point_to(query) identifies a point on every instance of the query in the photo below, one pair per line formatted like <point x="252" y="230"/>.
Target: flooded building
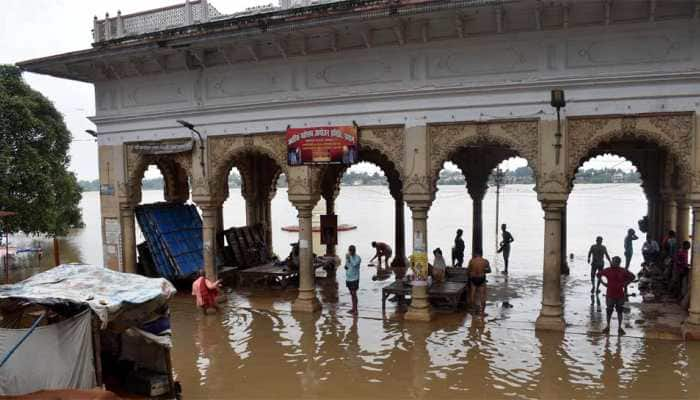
<point x="426" y="82"/>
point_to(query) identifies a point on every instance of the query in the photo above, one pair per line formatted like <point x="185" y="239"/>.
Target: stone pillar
<point x="220" y="241"/>
<point x="209" y="224"/>
<point x="477" y="191"/>
<point x="564" y="265"/>
<point x="266" y="220"/>
<point x="477" y="226"/>
<point x="251" y="210"/>
<point x="128" y="226"/>
<point x="306" y="300"/>
<point x="330" y="210"/>
<point x="691" y="326"/>
<point x="419" y="310"/>
<point x="551" y="315"/>
<point x="682" y="219"/>
<point x="670" y="213"/>
<point x="399" y="262"/>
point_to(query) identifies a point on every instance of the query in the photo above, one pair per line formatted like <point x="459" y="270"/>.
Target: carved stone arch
<point x="175" y="168"/>
<point x="386" y="144"/>
<point x="225" y="151"/>
<point x="446" y="141"/>
<point x="672" y="132"/>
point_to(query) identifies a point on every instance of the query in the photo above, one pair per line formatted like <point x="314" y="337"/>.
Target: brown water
<point x="257" y="348"/>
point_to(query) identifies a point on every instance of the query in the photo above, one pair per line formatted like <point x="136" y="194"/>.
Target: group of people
<point x="503" y="248"/>
<point x="477" y="267"/>
<point x="674" y="259"/>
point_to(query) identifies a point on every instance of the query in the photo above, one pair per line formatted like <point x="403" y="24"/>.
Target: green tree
<point x="34" y="143"/>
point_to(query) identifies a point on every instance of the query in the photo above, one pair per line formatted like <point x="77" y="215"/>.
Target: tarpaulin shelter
<point x="97" y="326"/>
<point x="173" y="234"/>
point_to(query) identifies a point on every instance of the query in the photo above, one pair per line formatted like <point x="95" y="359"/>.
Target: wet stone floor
<point x="257" y="348"/>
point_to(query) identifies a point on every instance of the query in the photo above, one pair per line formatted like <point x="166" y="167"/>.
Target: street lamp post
<point x="192" y="129"/>
<point x="498" y="178"/>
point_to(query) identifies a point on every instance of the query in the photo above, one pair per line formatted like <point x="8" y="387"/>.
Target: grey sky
<point x="39" y="28"/>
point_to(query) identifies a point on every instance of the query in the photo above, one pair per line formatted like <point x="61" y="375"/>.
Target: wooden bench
<point x="267" y="274"/>
<point x="271" y="275"/>
<point x="452" y="294"/>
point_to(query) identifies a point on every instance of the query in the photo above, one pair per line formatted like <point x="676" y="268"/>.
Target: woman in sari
<point x="206" y="292"/>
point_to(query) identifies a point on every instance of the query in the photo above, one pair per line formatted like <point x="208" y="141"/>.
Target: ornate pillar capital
<point x="419" y="208"/>
<point x="304" y="206"/>
<point x="553" y="204"/>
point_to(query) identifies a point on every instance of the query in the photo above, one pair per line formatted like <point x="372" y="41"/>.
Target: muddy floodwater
<point x="257" y="348"/>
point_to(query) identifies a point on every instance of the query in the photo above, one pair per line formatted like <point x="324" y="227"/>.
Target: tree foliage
<point x="34" y="143"/>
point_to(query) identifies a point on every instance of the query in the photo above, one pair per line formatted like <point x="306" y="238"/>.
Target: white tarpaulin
<point x="106" y="292"/>
<point x="57" y="356"/>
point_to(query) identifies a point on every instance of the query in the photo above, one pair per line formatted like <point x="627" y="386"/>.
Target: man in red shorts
<point x="617" y="279"/>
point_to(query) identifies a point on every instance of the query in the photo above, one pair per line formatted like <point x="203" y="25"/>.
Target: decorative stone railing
<point x="189" y="13"/>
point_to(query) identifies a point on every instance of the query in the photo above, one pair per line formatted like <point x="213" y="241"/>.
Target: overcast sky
<point x="39" y="28"/>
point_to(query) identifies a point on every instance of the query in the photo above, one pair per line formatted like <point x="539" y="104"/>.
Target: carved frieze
<point x="635" y="48"/>
<point x="248" y="82"/>
<point x="156" y="94"/>
<point x="359" y="72"/>
<point x="473" y="61"/>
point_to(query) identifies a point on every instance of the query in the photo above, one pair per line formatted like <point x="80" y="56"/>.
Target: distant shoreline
<point x="92" y="190"/>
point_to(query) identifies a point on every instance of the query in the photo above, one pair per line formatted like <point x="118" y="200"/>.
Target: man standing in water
<point x="631" y="236"/>
<point x="617" y="281"/>
<point x="458" y="250"/>
<point x="352" y="275"/>
<point x="383" y="250"/>
<point x="477" y="270"/>
<point x="598" y="252"/>
<point x="505" y="246"/>
<point x="206" y="292"/>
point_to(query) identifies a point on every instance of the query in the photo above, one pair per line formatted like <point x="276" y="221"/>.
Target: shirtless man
<point x="477" y="270"/>
<point x="383" y="250"/>
<point x="598" y="253"/>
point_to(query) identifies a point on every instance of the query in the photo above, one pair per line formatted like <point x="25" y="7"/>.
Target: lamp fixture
<point x="192" y="129"/>
<point x="558" y="101"/>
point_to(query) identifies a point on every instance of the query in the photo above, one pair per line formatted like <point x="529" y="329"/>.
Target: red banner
<point x="322" y="145"/>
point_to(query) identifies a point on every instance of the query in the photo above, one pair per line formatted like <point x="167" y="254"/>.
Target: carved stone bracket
<point x="672" y="131"/>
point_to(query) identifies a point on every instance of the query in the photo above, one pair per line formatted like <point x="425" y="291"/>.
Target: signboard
<point x="157" y="148"/>
<point x="106" y="189"/>
<point x="322" y="145"/>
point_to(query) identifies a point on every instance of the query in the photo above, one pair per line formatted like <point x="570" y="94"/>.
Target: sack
<point x="488" y="268"/>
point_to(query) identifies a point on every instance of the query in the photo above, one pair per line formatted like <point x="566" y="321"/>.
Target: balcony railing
<point x="189" y="13"/>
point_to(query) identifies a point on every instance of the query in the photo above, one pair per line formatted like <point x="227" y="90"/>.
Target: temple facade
<point x="426" y="82"/>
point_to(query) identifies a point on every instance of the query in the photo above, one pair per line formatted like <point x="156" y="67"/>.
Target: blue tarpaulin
<point x="173" y="234"/>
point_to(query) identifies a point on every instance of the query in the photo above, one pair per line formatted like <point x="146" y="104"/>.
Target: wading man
<point x="382" y="250"/>
<point x="505" y="246"/>
<point x="352" y="275"/>
<point x="458" y="250"/>
<point x="617" y="280"/>
<point x="596" y="257"/>
<point x="631" y="236"/>
<point x="477" y="270"/>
